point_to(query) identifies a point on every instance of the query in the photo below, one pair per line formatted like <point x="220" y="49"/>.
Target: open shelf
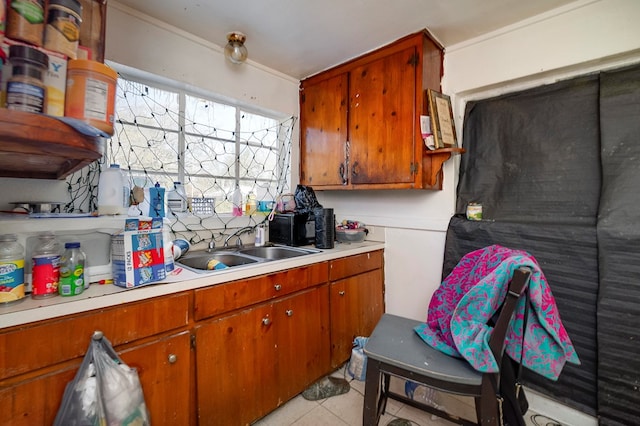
<point x="432" y="162"/>
<point x="41" y="147"/>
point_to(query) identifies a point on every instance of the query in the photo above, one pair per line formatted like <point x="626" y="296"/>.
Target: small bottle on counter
<point x="11" y="269"/>
<point x="71" y="270"/>
<point x="236" y="202"/>
<point x="45" y="267"/>
<point x="252" y="204"/>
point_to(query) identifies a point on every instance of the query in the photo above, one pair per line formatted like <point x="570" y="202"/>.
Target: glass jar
<point x="25" y="88"/>
<point x="11" y="269"/>
<point x="45" y="267"/>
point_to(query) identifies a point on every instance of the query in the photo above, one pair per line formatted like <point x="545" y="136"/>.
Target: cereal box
<point x="137" y="254"/>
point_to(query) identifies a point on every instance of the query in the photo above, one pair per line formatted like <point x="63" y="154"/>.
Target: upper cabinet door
<point x="323" y="124"/>
<point x="382" y="114"/>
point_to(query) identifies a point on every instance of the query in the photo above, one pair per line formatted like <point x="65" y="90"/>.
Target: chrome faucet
<point x="238" y="233"/>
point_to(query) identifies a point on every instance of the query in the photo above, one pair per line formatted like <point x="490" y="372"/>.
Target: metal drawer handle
<point x="341" y="293"/>
<point x="172" y="358"/>
<point x="289" y="312"/>
<point x="278" y="287"/>
<point x="266" y="321"/>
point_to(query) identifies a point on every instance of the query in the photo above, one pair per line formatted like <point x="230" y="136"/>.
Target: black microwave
<point x="293" y="229"/>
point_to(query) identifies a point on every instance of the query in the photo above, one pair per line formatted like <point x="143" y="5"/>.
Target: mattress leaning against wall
<point x="619" y="242"/>
<point x="533" y="161"/>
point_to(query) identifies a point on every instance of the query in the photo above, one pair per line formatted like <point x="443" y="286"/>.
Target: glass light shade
<point x="235" y="50"/>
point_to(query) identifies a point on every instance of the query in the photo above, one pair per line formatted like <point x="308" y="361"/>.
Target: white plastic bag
<point x="357" y="367"/>
<point x="105" y="391"/>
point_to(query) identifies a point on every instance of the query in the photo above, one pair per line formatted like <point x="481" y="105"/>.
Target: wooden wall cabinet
<point x="360" y="121"/>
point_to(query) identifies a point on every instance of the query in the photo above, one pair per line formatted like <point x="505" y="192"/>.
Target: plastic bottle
<point x="236" y="200"/>
<point x="252" y="204"/>
<point x="177" y="198"/>
<point x="45" y="267"/>
<point x="72" y="265"/>
<point x="261" y="235"/>
<point x="11" y="269"/>
<point x="113" y="193"/>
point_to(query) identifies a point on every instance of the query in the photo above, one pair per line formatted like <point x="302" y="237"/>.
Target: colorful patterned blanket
<point x="471" y="295"/>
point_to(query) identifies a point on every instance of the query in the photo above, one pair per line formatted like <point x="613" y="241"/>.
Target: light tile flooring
<point x="346" y="410"/>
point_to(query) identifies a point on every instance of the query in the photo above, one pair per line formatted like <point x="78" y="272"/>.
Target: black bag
<point x="514" y="401"/>
<point x="306" y="200"/>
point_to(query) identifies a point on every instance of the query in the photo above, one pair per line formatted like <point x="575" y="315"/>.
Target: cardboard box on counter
<point x="137" y="254"/>
<point x="55" y="79"/>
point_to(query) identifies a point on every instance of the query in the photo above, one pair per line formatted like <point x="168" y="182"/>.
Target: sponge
<point x="215" y="264"/>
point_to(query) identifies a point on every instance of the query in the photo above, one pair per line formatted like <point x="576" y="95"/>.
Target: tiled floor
<point x="346" y="410"/>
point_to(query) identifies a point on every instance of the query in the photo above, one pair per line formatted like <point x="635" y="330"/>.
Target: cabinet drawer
<point x="341" y="268"/>
<point x="38" y="345"/>
<point x="238" y="294"/>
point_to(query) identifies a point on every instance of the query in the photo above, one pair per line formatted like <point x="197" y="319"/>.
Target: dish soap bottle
<point x="236" y="200"/>
<point x="252" y="204"/>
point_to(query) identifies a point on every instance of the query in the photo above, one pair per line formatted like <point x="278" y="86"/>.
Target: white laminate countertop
<point x="102" y="296"/>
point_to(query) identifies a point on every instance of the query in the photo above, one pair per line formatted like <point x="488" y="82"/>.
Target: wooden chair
<point x="394" y="348"/>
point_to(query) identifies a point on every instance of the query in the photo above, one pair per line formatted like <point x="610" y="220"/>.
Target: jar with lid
<point x="45" y="267"/>
<point x="25" y="88"/>
<point x="11" y="269"/>
<point x="72" y="264"/>
<point x="25" y="20"/>
<point x="63" y="27"/>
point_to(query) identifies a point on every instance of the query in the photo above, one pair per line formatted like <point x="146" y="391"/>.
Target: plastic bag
<point x="306" y="201"/>
<point x="105" y="391"/>
<point x="357" y="367"/>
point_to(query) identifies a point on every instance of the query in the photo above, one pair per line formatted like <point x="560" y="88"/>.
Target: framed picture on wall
<point x="442" y="124"/>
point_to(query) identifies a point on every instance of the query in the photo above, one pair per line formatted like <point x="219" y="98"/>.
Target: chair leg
<point x="371" y="410"/>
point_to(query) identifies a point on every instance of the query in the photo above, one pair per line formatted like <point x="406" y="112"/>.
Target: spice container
<point x="45" y="267"/>
<point x="25" y="21"/>
<point x="25" y="88"/>
<point x="91" y="93"/>
<point x="63" y="27"/>
<point x="72" y="264"/>
<point x="11" y="269"/>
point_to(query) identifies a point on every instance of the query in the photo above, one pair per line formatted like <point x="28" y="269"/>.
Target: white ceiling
<point x="302" y="37"/>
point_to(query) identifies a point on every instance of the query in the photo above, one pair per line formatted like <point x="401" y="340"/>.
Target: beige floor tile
<point x="289" y="413"/>
<point x="319" y="416"/>
<point x="347" y="407"/>
<point x="421" y="418"/>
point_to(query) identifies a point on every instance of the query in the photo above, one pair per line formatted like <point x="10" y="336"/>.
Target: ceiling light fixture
<point x="235" y="50"/>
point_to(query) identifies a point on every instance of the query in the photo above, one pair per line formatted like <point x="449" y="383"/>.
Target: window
<point x="167" y="132"/>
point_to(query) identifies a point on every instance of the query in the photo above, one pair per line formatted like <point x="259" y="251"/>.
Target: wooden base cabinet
<point x="357" y="301"/>
<point x="250" y="362"/>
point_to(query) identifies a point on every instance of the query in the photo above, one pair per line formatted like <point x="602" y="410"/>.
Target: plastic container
<point x="351" y="235"/>
<point x="11" y="269"/>
<point x="252" y="204"/>
<point x="91" y="93"/>
<point x="25" y="88"/>
<point x="25" y="21"/>
<point x="45" y="267"/>
<point x="177" y="198"/>
<point x="72" y="266"/>
<point x="261" y="235"/>
<point x="113" y="192"/>
<point x="62" y="32"/>
<point x="236" y="200"/>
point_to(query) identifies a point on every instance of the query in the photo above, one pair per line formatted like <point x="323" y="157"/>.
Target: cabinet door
<point x="302" y="326"/>
<point x="356" y="306"/>
<point x="235" y="364"/>
<point x="323" y="124"/>
<point x="164" y="368"/>
<point x="382" y="120"/>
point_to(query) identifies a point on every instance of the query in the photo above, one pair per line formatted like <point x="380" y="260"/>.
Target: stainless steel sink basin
<point x="206" y="261"/>
<point x="276" y="252"/>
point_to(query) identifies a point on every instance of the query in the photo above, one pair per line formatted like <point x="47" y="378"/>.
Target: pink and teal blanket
<point x="471" y="295"/>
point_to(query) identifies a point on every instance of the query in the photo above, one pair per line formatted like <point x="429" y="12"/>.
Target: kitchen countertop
<point x="102" y="296"/>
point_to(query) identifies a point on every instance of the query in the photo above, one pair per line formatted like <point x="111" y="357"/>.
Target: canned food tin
<point x="45" y="276"/>
<point x="474" y="211"/>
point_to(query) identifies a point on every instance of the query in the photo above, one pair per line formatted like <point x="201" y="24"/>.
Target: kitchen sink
<point x="276" y="252"/>
<point x="205" y="261"/>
